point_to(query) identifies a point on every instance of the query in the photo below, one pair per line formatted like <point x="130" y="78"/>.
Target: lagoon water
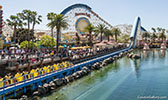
<point x="124" y="79"/>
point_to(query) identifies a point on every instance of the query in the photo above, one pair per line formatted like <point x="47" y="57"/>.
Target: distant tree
<point x="90" y="28"/>
<point x="21" y="35"/>
<point x="159" y="30"/>
<point x="153" y="29"/>
<point x="50" y="17"/>
<point x="116" y="32"/>
<point x="154" y="36"/>
<point x="77" y="38"/>
<point x="125" y="38"/>
<point x="36" y="19"/>
<point x="14" y="22"/>
<point x="59" y="23"/>
<point x="162" y="34"/>
<point x="108" y="33"/>
<point x="146" y="35"/>
<point x="100" y="30"/>
<point x="25" y="44"/>
<point x="47" y="41"/>
<point x="30" y="18"/>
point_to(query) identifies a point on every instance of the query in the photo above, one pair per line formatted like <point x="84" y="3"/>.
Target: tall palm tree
<point x="30" y="17"/>
<point x="36" y="19"/>
<point x="60" y="23"/>
<point x="162" y="34"/>
<point x="77" y="39"/>
<point x="100" y="29"/>
<point x="14" y="22"/>
<point x="108" y="33"/>
<point x="153" y="29"/>
<point x="26" y="15"/>
<point x="154" y="36"/>
<point x="51" y="16"/>
<point x="116" y="32"/>
<point x="90" y="28"/>
<point x="159" y="30"/>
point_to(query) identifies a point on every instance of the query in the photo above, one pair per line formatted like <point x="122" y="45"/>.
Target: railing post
<point x="33" y="86"/>
<point x="3" y="96"/>
<point x="14" y="93"/>
<point x="3" y="85"/>
<point x="24" y="89"/>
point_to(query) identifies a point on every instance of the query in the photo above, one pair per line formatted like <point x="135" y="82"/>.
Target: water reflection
<point x="137" y="67"/>
<point x="163" y="53"/>
<point x="145" y="54"/>
<point x="115" y="66"/>
<point x="153" y="53"/>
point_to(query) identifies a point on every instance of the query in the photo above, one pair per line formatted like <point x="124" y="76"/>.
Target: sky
<point x="153" y="13"/>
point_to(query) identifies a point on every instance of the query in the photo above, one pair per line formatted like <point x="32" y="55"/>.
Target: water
<point x="124" y="79"/>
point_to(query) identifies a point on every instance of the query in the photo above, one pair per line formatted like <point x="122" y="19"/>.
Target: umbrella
<point x="64" y="46"/>
<point x="61" y="46"/>
<point x="74" y="48"/>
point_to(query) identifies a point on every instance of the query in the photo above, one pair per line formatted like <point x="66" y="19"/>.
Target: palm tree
<point x="162" y="34"/>
<point x="146" y="35"/>
<point x="14" y="22"/>
<point x="26" y="15"/>
<point x="100" y="29"/>
<point x="90" y="28"/>
<point x="77" y="39"/>
<point x="154" y="36"/>
<point x="108" y="33"/>
<point x="60" y="23"/>
<point x="116" y="32"/>
<point x="36" y="19"/>
<point x="159" y="30"/>
<point x="153" y="29"/>
<point x="30" y="17"/>
<point x="51" y="16"/>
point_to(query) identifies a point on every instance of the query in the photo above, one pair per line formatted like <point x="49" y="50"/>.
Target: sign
<point x="85" y="14"/>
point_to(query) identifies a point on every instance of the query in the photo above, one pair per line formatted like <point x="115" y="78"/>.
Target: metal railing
<point x="14" y="81"/>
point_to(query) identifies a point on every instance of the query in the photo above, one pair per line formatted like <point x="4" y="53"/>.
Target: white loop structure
<point x="77" y="11"/>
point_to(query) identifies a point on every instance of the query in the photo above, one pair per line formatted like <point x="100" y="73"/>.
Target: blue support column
<point x="24" y="89"/>
<point x="80" y="67"/>
<point x="67" y="73"/>
<point x="74" y="69"/>
<point x="14" y="93"/>
<point x="4" y="97"/>
<point x="52" y="78"/>
<point x="61" y="75"/>
<point x="47" y="81"/>
<point x="34" y="86"/>
<point x="40" y="83"/>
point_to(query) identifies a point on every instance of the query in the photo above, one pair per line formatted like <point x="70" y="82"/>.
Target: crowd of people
<point x="23" y="56"/>
<point x="10" y="79"/>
